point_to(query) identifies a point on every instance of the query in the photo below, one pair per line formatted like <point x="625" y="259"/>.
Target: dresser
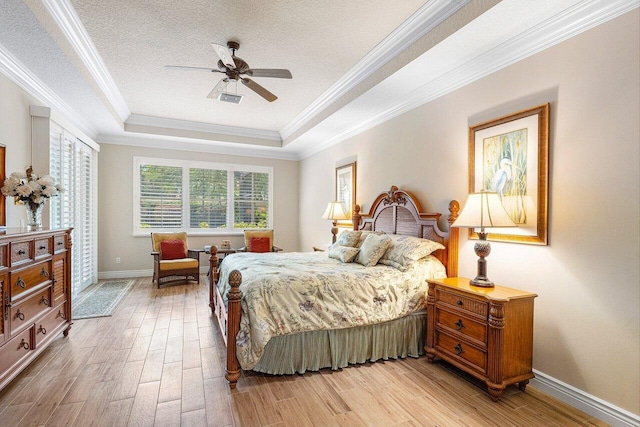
<point x="35" y="289"/>
<point x="486" y="332"/>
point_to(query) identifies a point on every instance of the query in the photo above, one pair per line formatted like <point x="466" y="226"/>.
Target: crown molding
<point x="575" y="20"/>
<point x="417" y="25"/>
<point x="23" y="77"/>
<point x="69" y="23"/>
<point x="186" y="144"/>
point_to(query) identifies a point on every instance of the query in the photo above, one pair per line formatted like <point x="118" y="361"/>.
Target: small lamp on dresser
<point x="482" y="210"/>
<point x="334" y="212"/>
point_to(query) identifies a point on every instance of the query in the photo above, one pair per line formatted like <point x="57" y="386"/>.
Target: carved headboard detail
<point x="399" y="212"/>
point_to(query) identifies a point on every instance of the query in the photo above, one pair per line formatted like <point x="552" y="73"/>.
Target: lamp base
<point x="483" y="249"/>
<point x="482" y="282"/>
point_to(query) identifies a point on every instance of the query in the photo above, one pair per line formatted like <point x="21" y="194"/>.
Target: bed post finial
<point x="213" y="276"/>
<point x="356" y="217"/>
<point x="454" y="238"/>
<point x="233" y="326"/>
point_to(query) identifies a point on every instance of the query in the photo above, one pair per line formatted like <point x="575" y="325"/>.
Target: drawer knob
<point x="44" y="273"/>
<point x="24" y="344"/>
<point x="60" y="243"/>
<point x="42" y="330"/>
<point x="20" y="315"/>
<point x="21" y="283"/>
<point x="459" y="302"/>
<point x="44" y="300"/>
<point x="21" y="252"/>
<point x="459" y="324"/>
<point x="42" y="247"/>
<point x="458" y="348"/>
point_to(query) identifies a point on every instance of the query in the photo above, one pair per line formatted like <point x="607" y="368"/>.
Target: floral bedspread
<point x="304" y="291"/>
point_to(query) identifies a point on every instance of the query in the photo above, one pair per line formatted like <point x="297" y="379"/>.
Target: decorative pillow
<point x="250" y="234"/>
<point x="405" y="250"/>
<point x="172" y="249"/>
<point x="343" y="253"/>
<point x="259" y="244"/>
<point x="349" y="238"/>
<point x="372" y="249"/>
<point x="365" y="233"/>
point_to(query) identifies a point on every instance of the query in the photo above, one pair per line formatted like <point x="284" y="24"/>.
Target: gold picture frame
<point x="346" y="189"/>
<point x="510" y="155"/>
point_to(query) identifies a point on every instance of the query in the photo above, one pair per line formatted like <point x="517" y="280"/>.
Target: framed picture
<point x="510" y="156"/>
<point x="346" y="188"/>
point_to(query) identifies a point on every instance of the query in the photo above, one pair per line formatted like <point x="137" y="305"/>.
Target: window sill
<point x="193" y="233"/>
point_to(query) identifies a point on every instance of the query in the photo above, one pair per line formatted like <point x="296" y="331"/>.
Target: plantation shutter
<point x="251" y="201"/>
<point x="160" y="196"/>
<point x="207" y="198"/>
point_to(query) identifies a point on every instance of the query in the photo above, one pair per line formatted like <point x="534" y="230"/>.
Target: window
<point x="210" y="198"/>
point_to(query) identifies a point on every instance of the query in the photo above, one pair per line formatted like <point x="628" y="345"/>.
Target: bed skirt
<point x="335" y="349"/>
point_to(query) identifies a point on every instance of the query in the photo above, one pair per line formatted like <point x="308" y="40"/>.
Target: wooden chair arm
<point x="242" y="249"/>
<point x="317" y="249"/>
<point x="276" y="249"/>
<point x="194" y="253"/>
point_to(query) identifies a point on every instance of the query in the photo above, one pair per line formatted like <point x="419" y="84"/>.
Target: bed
<point x="307" y="311"/>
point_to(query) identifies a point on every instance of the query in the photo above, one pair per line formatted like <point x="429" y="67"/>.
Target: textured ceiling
<point x="317" y="41"/>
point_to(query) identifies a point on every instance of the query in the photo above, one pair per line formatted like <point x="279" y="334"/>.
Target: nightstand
<point x="486" y="332"/>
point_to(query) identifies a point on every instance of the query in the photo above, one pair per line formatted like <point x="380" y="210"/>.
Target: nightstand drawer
<point x="461" y="351"/>
<point x="464" y="303"/>
<point x="474" y="330"/>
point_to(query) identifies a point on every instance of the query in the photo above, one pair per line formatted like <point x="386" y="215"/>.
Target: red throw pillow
<point x="172" y="249"/>
<point x="259" y="244"/>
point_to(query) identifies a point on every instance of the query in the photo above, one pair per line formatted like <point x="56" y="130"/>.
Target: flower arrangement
<point x="32" y="190"/>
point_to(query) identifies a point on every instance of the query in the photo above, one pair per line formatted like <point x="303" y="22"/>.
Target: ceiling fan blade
<point x="270" y="72"/>
<point x="218" y="89"/>
<point x="225" y="55"/>
<point x="259" y="90"/>
<point x="180" y="67"/>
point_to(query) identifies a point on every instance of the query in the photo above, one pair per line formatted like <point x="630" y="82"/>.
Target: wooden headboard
<point x="399" y="212"/>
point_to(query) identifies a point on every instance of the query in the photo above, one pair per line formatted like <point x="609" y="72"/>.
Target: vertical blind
<point x="73" y="164"/>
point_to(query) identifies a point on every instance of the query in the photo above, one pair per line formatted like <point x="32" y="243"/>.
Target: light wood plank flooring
<point x="159" y="361"/>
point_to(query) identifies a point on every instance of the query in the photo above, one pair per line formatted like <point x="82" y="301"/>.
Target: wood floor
<point x="159" y="361"/>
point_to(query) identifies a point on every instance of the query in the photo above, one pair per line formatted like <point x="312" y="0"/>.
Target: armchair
<point x="172" y="260"/>
<point x="259" y="241"/>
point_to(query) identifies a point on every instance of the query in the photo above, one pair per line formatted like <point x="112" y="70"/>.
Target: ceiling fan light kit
<point x="234" y="68"/>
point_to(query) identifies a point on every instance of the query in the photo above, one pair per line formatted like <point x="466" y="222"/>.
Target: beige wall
<point x="115" y="207"/>
<point x="587" y="328"/>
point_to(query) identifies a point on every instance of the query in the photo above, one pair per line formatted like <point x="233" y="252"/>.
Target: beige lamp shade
<point x="334" y="212"/>
<point x="482" y="210"/>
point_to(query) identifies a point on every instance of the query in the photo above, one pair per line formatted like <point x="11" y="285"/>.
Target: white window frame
<point x="190" y="164"/>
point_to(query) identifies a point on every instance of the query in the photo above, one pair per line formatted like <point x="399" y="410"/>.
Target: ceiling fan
<point x="235" y="69"/>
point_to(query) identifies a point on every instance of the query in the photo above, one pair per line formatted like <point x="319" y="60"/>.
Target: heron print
<point x="505" y="171"/>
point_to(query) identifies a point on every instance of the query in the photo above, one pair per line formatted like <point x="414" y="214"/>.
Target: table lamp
<point x="334" y="212"/>
<point x="482" y="210"/>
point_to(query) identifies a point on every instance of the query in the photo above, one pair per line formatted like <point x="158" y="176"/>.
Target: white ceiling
<point x="355" y="64"/>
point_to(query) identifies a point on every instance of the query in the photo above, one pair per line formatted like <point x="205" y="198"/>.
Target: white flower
<point x="45" y="180"/>
<point x="18" y="176"/>
<point x="49" y="191"/>
<point x="30" y="189"/>
<point x="23" y="191"/>
<point x="60" y="188"/>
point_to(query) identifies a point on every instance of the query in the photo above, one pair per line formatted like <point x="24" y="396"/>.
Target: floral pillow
<point x="403" y="251"/>
<point x="343" y="253"/>
<point x="349" y="238"/>
<point x="372" y="249"/>
<point x="364" y="235"/>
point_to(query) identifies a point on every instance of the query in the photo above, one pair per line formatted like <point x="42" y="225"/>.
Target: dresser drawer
<point x="17" y="348"/>
<point x="464" y="303"/>
<point x="470" y="328"/>
<point x="23" y="280"/>
<point x="46" y="325"/>
<point x="4" y="250"/>
<point x="59" y="242"/>
<point x="461" y="351"/>
<point x="21" y="252"/>
<point x="42" y="247"/>
<point x="25" y="312"/>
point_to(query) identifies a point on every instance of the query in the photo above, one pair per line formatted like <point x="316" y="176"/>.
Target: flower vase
<point x="34" y="215"/>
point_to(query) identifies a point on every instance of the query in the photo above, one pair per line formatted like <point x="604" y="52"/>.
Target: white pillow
<point x="372" y="249"/>
<point x="343" y="253"/>
<point x="403" y="251"/>
<point x="349" y="238"/>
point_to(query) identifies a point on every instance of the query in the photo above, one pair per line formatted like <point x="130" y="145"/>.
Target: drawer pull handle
<point x="42" y="330"/>
<point x="60" y="314"/>
<point x="42" y="247"/>
<point x="20" y="315"/>
<point x="21" y="252"/>
<point x="24" y="344"/>
<point x="21" y="283"/>
<point x="44" y="273"/>
<point x="44" y="300"/>
<point x="459" y="325"/>
<point x="459" y="302"/>
<point x="459" y="349"/>
<point x="60" y="243"/>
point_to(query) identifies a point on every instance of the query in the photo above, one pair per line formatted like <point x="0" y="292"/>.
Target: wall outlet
<point x="117" y="260"/>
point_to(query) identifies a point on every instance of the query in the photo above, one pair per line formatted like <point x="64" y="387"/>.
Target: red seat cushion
<point x="259" y="244"/>
<point x="172" y="249"/>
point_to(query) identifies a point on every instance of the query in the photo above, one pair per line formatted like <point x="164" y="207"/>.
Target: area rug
<point x="101" y="299"/>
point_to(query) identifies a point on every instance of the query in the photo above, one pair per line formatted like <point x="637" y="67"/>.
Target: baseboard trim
<point x="124" y="274"/>
<point x="585" y="402"/>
